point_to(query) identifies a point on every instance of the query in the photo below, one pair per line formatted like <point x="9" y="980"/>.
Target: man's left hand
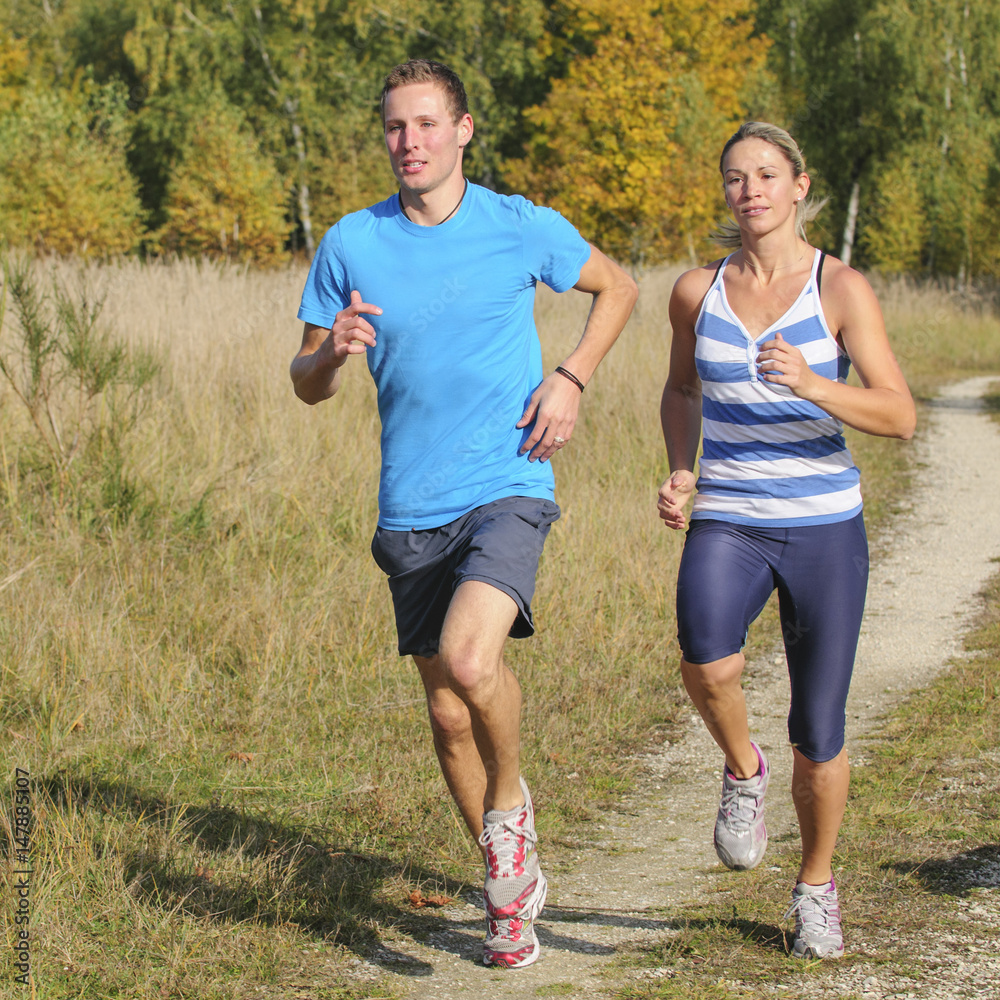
<point x="553" y="407"/>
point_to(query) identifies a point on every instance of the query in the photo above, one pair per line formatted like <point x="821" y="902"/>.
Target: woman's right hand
<point x="673" y="497"/>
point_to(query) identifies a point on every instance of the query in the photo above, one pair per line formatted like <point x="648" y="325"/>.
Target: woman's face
<point x="760" y="186"/>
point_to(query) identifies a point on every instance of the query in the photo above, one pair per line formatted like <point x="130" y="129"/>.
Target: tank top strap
<point x="719" y="268"/>
<point x="816" y="275"/>
<point x="819" y="272"/>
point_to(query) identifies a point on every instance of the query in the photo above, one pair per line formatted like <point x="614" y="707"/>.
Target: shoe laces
<point x="504" y="838"/>
<point x="814" y="910"/>
<point x="739" y="805"/>
<point x="509" y="928"/>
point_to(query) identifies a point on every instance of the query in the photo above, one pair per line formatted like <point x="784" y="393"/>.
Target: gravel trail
<point x="921" y="596"/>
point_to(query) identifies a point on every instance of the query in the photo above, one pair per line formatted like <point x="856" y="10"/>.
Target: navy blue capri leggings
<point x="728" y="572"/>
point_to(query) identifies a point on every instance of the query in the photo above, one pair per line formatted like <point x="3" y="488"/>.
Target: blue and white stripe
<point x="769" y="457"/>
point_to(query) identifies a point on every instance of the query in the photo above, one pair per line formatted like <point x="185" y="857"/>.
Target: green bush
<point x="82" y="390"/>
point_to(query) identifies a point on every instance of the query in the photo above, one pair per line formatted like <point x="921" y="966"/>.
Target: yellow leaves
<point x="65" y="185"/>
<point x="894" y="235"/>
<point x="225" y="199"/>
<point x="614" y="145"/>
<point x="13" y="69"/>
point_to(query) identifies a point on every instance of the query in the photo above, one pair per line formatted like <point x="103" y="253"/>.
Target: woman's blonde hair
<point x="727" y="234"/>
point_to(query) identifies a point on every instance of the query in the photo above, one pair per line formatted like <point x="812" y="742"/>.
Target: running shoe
<point x="515" y="888"/>
<point x="817" y="921"/>
<point x="740" y="834"/>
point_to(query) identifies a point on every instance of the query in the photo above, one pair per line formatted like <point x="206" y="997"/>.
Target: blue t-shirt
<point x="457" y="356"/>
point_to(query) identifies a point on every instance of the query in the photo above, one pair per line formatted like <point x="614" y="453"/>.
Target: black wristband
<point x="565" y="374"/>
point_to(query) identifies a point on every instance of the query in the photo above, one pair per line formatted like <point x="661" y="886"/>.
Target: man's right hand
<point x="316" y="368"/>
<point x="351" y="333"/>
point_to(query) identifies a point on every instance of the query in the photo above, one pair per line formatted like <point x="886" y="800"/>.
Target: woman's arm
<point x="680" y="406"/>
<point x="882" y="405"/>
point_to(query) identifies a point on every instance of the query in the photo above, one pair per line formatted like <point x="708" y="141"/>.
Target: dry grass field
<point x="231" y="786"/>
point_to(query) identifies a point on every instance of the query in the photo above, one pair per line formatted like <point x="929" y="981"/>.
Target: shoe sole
<point x="811" y="953"/>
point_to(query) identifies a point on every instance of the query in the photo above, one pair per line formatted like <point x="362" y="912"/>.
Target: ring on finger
<point x="558" y="440"/>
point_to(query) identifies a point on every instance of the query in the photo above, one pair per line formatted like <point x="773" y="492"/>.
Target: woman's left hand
<point x="783" y="363"/>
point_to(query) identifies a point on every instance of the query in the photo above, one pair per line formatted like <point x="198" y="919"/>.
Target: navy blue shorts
<point x="499" y="543"/>
<point x="728" y="572"/>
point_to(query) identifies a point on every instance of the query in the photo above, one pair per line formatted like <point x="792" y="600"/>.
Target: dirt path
<point x="919" y="600"/>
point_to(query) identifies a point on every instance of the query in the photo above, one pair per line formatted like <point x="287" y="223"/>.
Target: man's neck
<point x="436" y="206"/>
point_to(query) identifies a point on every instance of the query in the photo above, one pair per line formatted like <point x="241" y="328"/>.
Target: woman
<point x="762" y="343"/>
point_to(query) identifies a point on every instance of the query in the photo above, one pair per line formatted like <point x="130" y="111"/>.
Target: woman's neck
<point x="767" y="260"/>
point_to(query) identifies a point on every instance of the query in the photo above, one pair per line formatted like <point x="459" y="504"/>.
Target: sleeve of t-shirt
<point x="554" y="251"/>
<point x="327" y="289"/>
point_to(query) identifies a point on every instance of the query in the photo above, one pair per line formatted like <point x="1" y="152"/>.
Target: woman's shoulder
<point x="693" y="284"/>
<point x="689" y="292"/>
<point x="841" y="279"/>
<point x="848" y="299"/>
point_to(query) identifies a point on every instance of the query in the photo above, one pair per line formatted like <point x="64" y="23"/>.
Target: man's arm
<point x="615" y="295"/>
<point x="315" y="370"/>
<point x="554" y="405"/>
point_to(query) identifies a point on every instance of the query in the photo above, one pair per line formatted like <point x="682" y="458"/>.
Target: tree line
<point x="242" y="129"/>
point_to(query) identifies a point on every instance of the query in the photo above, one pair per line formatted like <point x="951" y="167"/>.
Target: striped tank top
<point x="768" y="457"/>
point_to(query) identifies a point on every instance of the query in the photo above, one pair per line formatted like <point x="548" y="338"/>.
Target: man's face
<point x="425" y="145"/>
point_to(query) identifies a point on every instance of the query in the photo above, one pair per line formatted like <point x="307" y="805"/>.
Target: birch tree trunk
<point x="290" y="105"/>
<point x="850" y="222"/>
<point x="302" y="184"/>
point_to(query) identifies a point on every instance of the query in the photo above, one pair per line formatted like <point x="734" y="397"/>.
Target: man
<point x="436" y="287"/>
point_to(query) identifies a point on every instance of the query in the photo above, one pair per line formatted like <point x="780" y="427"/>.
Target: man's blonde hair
<point x="428" y="71"/>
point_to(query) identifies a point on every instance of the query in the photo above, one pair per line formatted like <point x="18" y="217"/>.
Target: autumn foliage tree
<point x="246" y="128"/>
<point x="225" y="200"/>
<point x="65" y="186"/>
<point x="626" y="144"/>
<point x="13" y="70"/>
<point x="894" y="104"/>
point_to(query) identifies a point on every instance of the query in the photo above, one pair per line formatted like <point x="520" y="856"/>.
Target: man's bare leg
<point x="471" y="658"/>
<point x="471" y="655"/>
<point x="474" y="702"/>
<point x="451" y="726"/>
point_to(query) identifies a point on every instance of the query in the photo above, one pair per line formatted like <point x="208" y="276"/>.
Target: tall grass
<point x="939" y="333"/>
<point x="230" y="765"/>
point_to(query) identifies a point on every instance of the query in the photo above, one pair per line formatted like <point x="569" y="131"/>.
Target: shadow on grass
<point x="767" y="936"/>
<point x="698" y="938"/>
<point x="554" y="932"/>
<point x="284" y="874"/>
<point x="956" y="876"/>
<point x="216" y="863"/>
